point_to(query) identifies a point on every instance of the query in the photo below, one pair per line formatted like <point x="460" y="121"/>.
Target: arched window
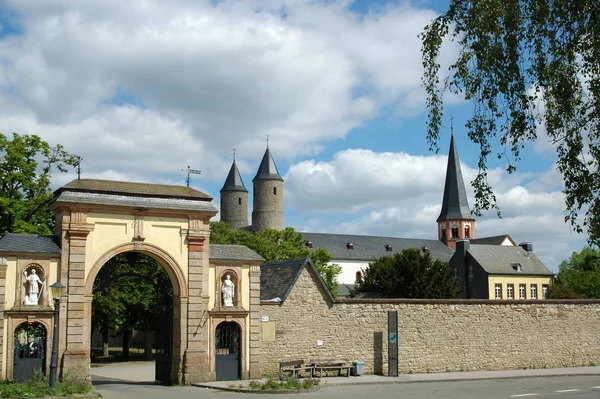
<point x="467" y="232"/>
<point x="455" y="232"/>
<point x="274" y="190"/>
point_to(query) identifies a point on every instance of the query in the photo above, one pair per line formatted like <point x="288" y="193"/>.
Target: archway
<point x="149" y="320"/>
<point x="29" y="350"/>
<point x="228" y="346"/>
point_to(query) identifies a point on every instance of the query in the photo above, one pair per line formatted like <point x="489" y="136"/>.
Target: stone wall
<point x="434" y="335"/>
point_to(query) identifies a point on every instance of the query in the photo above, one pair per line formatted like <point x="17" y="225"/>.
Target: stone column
<point x="196" y="360"/>
<point x="255" y="324"/>
<point x="3" y="267"/>
<point x="76" y="359"/>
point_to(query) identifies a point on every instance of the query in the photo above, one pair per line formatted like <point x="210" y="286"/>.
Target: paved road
<point x="573" y="387"/>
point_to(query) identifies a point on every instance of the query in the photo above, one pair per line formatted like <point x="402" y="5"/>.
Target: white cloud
<point x="219" y="76"/>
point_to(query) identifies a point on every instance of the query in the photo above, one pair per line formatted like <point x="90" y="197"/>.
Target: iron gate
<point x="227" y="351"/>
<point x="29" y="351"/>
<point x="164" y="344"/>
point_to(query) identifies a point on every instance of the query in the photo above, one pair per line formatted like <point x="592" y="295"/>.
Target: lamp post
<point x="57" y="290"/>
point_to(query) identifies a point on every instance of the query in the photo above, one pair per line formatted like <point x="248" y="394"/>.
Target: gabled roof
<point x="267" y="169"/>
<point x="14" y="242"/>
<point x="134" y="189"/>
<point x="503" y="259"/>
<point x="232" y="252"/>
<point x="454" y="203"/>
<point x="366" y="248"/>
<point x="234" y="180"/>
<point x="277" y="278"/>
<point x="493" y="240"/>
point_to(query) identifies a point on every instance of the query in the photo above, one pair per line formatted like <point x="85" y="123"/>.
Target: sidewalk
<point x="430" y="377"/>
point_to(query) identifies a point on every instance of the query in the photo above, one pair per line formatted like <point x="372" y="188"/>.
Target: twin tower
<point x="267" y="212"/>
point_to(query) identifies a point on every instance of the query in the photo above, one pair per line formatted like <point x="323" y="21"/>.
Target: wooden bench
<point x="294" y="367"/>
<point x="338" y="365"/>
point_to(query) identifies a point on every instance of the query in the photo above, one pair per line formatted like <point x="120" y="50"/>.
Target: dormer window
<point x="388" y="247"/>
<point x="350" y="246"/>
<point x="517" y="267"/>
<point x="309" y="244"/>
<point x="425" y="250"/>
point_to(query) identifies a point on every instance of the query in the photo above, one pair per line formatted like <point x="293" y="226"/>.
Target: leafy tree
<point x="278" y="245"/>
<point x="130" y="292"/>
<point x="26" y="164"/>
<point x="525" y="64"/>
<point x="409" y="274"/>
<point x="579" y="276"/>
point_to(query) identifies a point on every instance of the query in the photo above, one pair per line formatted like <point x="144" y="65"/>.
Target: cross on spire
<point x="234" y="155"/>
<point x="268" y="140"/>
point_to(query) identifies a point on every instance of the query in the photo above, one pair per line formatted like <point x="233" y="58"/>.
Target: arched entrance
<point x="132" y="311"/>
<point x="29" y="351"/>
<point x="228" y="345"/>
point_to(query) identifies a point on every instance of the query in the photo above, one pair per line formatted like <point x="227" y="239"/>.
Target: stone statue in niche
<point x="35" y="287"/>
<point x="228" y="290"/>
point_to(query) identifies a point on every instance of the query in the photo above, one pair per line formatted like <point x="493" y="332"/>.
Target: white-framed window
<point x="522" y="291"/>
<point x="544" y="291"/>
<point x="533" y="291"/>
<point x="510" y="291"/>
<point x="498" y="290"/>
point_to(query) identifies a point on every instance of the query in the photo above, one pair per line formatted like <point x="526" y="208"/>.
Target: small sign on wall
<point x="265" y="318"/>
<point x="319" y="342"/>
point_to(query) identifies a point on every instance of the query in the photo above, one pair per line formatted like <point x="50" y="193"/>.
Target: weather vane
<point x="190" y="172"/>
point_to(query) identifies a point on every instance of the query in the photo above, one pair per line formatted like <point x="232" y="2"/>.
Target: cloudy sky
<point x="141" y="89"/>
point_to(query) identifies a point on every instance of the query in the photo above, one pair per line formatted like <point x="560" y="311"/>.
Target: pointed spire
<point x="234" y="180"/>
<point x="454" y="204"/>
<point x="267" y="169"/>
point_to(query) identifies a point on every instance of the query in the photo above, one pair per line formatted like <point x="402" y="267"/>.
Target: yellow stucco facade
<point x="517" y="281"/>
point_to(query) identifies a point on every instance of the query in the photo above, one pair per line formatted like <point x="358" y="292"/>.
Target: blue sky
<point x="142" y="89"/>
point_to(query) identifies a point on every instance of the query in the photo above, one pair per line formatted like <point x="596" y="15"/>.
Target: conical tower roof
<point x="454" y="204"/>
<point x="234" y="180"/>
<point x="267" y="169"/>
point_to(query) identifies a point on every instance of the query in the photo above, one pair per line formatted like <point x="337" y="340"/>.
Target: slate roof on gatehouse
<point x="232" y="252"/>
<point x="134" y="189"/>
<point x="31" y="243"/>
<point x="366" y="248"/>
<point x="492" y="240"/>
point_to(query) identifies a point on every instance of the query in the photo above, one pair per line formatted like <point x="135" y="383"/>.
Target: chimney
<point x="462" y="246"/>
<point x="527" y="246"/>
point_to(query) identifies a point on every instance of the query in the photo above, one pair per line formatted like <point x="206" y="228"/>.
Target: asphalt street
<point x="575" y="387"/>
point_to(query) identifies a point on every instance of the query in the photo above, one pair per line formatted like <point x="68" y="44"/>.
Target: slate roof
<point x="232" y="252"/>
<point x="499" y="259"/>
<point x="13" y="242"/>
<point x="277" y="278"/>
<point x="454" y="203"/>
<point x="134" y="189"/>
<point x="234" y="180"/>
<point x="366" y="248"/>
<point x="492" y="240"/>
<point x="267" y="169"/>
<point x="134" y="201"/>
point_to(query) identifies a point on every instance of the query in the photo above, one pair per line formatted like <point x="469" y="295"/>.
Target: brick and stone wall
<point x="434" y="335"/>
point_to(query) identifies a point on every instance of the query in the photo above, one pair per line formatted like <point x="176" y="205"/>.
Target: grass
<point x="290" y="383"/>
<point x="115" y="354"/>
<point x="38" y="387"/>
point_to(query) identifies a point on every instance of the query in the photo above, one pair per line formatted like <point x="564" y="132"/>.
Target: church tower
<point x="455" y="221"/>
<point x="267" y="212"/>
<point x="234" y="199"/>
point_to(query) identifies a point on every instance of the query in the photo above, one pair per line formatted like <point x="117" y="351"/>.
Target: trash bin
<point x="358" y="368"/>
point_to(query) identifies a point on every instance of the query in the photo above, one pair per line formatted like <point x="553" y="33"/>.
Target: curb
<point x="259" y="391"/>
<point x="93" y="395"/>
